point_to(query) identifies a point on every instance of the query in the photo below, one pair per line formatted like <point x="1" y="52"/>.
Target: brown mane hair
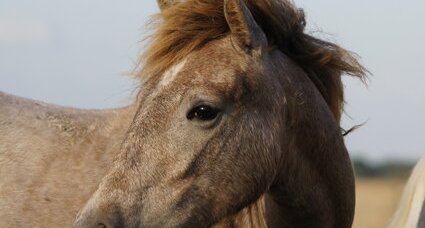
<point x="189" y="25"/>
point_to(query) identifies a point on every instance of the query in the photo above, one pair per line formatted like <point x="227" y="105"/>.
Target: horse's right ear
<point x="164" y="4"/>
<point x="243" y="26"/>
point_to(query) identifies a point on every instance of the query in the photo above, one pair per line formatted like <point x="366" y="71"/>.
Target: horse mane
<point x="189" y="25"/>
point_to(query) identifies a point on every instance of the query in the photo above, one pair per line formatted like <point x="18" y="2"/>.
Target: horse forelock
<point x="188" y="26"/>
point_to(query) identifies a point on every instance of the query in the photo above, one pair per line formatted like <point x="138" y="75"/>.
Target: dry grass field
<point x="377" y="200"/>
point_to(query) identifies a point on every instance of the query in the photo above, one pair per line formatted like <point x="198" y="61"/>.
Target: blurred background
<point x="80" y="53"/>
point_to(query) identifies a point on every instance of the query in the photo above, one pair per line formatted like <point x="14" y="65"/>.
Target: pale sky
<point x="78" y="53"/>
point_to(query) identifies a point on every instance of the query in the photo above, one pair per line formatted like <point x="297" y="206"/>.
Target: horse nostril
<point x="98" y="221"/>
<point x="110" y="224"/>
<point x="100" y="216"/>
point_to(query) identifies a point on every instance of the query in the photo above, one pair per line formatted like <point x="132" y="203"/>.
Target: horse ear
<point x="243" y="26"/>
<point x="164" y="4"/>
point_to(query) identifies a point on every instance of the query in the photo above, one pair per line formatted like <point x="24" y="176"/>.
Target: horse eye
<point x="203" y="113"/>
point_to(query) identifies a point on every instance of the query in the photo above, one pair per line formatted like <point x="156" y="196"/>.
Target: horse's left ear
<point x="164" y="4"/>
<point x="243" y="26"/>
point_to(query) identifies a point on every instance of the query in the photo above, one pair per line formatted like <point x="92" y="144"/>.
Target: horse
<point x="236" y="124"/>
<point x="411" y="209"/>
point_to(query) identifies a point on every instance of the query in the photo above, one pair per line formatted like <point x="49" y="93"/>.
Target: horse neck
<point x="103" y="135"/>
<point x="113" y="128"/>
<point x="119" y="120"/>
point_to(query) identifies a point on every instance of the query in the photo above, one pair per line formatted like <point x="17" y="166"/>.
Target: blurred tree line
<point x="387" y="169"/>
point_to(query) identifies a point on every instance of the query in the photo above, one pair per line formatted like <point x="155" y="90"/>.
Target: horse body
<point x="411" y="210"/>
<point x="52" y="159"/>
<point x="236" y="125"/>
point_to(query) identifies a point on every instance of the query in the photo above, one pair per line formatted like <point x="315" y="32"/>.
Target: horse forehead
<point x="216" y="64"/>
<point x="170" y="74"/>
